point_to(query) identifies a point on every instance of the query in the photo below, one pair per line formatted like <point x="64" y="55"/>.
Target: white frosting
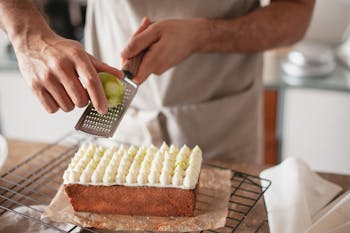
<point x="125" y="164"/>
<point x="111" y="170"/>
<point x="181" y="165"/>
<point x="131" y="178"/>
<point x="132" y="166"/>
<point x="193" y="169"/>
<point x="157" y="163"/>
<point x="168" y="166"/>
<point x="145" y="168"/>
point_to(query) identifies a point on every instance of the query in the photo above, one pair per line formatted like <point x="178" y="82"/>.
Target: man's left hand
<point x="167" y="42"/>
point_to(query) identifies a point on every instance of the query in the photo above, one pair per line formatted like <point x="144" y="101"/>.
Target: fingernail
<point x="122" y="60"/>
<point x="103" y="110"/>
<point x="137" y="81"/>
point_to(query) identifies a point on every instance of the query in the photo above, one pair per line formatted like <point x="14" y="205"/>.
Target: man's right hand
<point x="57" y="69"/>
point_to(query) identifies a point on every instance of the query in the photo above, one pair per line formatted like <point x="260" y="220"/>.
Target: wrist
<point x="202" y="34"/>
<point x="28" y="29"/>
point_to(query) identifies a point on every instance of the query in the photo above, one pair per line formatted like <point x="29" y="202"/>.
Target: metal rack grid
<point x="27" y="188"/>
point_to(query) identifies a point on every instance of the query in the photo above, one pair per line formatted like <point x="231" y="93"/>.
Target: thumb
<point x="143" y="40"/>
<point x="148" y="64"/>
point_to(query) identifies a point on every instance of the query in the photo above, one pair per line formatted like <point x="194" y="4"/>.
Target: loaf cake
<point x="132" y="180"/>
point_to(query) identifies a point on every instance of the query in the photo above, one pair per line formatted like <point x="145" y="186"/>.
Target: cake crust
<point x="126" y="200"/>
<point x="130" y="180"/>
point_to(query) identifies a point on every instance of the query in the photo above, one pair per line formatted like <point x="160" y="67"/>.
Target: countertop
<point x="20" y="150"/>
<point x="275" y="78"/>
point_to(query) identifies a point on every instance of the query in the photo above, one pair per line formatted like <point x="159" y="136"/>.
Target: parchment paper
<point x="213" y="194"/>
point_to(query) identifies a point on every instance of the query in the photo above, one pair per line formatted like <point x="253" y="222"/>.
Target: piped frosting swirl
<point x="132" y="166"/>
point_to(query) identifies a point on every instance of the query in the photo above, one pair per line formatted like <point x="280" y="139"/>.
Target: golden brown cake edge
<point x="127" y="200"/>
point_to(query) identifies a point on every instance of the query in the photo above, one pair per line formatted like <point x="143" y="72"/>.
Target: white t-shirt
<point x="212" y="99"/>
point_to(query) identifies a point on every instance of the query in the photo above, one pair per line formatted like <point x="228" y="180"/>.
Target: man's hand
<point x="168" y="43"/>
<point x="282" y="23"/>
<point x="57" y="70"/>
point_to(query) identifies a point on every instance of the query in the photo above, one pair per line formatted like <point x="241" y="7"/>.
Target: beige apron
<point x="211" y="100"/>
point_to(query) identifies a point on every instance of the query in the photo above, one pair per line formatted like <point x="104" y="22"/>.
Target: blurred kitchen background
<point x="307" y="90"/>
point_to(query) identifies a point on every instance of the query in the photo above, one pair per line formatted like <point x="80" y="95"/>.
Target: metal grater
<point x="92" y="122"/>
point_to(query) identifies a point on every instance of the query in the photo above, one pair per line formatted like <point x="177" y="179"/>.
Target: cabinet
<point x="310" y="124"/>
<point x="312" y="116"/>
<point x="270" y="126"/>
<point x="316" y="128"/>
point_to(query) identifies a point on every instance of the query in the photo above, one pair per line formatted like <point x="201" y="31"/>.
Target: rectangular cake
<point x="128" y="180"/>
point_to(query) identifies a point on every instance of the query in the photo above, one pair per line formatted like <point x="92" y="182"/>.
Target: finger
<point x="57" y="91"/>
<point x="149" y="62"/>
<point x="140" y="42"/>
<point x="46" y="100"/>
<point x="90" y="79"/>
<point x="123" y="60"/>
<point x="103" y="67"/>
<point x="144" y="24"/>
<point x="72" y="85"/>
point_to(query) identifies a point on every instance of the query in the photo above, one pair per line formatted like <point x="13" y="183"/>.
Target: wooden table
<point x="20" y="150"/>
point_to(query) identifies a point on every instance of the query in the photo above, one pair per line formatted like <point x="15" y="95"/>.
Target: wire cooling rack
<point x="28" y="187"/>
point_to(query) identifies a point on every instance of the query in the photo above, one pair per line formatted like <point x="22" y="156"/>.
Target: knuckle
<point x="47" y="77"/>
<point x="132" y="46"/>
<point x="82" y="101"/>
<point x="91" y="82"/>
<point x="34" y="84"/>
<point x="70" y="83"/>
<point x="158" y="71"/>
<point x="51" y="110"/>
<point x="75" y="44"/>
<point x="57" y="64"/>
<point x="76" y="52"/>
<point x="68" y="107"/>
<point x="156" y="28"/>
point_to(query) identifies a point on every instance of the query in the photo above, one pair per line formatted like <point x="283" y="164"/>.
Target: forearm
<point x="21" y="21"/>
<point x="59" y="71"/>
<point x="279" y="24"/>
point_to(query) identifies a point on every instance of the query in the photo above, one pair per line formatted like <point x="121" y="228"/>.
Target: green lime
<point x="113" y="87"/>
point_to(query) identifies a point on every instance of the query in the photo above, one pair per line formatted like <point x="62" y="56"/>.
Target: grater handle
<point x="131" y="66"/>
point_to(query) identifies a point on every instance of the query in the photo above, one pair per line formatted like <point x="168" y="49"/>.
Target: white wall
<point x="21" y="115"/>
<point x="330" y="20"/>
<point x="316" y="128"/>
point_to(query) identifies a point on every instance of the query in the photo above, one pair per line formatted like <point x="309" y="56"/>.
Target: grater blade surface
<point x="92" y="122"/>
